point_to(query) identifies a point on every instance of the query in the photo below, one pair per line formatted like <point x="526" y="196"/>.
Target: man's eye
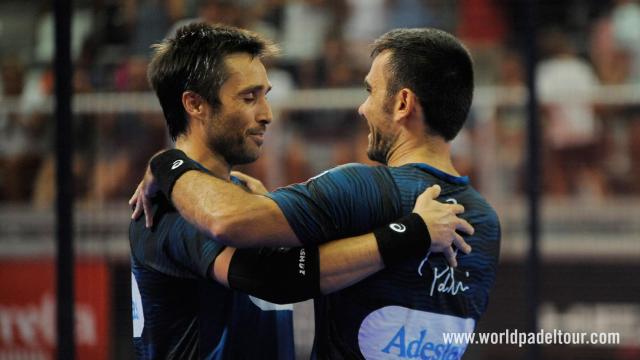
<point x="249" y="98"/>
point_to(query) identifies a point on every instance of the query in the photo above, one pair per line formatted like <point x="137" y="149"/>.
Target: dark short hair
<point x="194" y="60"/>
<point x="437" y="68"/>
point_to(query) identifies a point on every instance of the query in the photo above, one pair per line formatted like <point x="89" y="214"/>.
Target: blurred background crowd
<point x="583" y="45"/>
<point x="588" y="78"/>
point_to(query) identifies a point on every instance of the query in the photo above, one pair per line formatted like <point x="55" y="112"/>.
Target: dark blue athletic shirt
<point x="179" y="312"/>
<point x="400" y="312"/>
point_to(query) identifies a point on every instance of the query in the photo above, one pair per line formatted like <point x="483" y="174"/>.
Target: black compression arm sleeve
<point x="280" y="275"/>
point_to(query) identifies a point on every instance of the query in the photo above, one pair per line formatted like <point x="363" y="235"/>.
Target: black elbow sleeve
<point x="280" y="276"/>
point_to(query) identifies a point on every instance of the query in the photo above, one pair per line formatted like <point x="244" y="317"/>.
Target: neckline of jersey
<point x="232" y="178"/>
<point x="458" y="180"/>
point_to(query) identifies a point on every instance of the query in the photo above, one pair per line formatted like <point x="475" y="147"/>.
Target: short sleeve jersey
<point x="179" y="312"/>
<point x="400" y="312"/>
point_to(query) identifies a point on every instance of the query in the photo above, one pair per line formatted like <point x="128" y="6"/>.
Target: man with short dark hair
<point x="420" y="89"/>
<point x="212" y="87"/>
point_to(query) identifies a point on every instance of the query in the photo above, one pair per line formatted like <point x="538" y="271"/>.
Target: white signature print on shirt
<point x="448" y="284"/>
<point x="444" y="281"/>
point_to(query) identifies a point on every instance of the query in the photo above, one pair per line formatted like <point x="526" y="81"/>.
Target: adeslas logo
<point x="408" y="348"/>
<point x="395" y="332"/>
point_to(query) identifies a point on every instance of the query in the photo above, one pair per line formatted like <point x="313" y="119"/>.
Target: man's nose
<point x="265" y="115"/>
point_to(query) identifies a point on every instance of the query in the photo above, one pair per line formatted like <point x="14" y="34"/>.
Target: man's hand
<point x="253" y="184"/>
<point x="442" y="222"/>
<point x="142" y="198"/>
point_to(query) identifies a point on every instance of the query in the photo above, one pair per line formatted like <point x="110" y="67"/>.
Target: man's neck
<point x="431" y="150"/>
<point x="200" y="152"/>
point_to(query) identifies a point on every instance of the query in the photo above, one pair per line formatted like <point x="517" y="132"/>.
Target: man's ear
<point x="405" y="105"/>
<point x="193" y="104"/>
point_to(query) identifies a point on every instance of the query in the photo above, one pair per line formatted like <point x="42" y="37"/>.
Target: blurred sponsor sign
<point x="28" y="309"/>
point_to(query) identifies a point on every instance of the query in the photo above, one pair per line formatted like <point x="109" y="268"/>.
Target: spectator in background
<point x="149" y="22"/>
<point x="19" y="157"/>
<point x="625" y="19"/>
<point x="565" y="83"/>
<point x="611" y="63"/>
<point x="510" y="126"/>
<point x="83" y="127"/>
<point x="118" y="149"/>
<point x="267" y="16"/>
<point x="36" y="95"/>
<point x="262" y="16"/>
<point x="410" y="14"/>
<point x="32" y="138"/>
<point x="306" y="25"/>
<point x="335" y="67"/>
<point x="482" y="26"/>
<point x="367" y="20"/>
<point x="214" y="11"/>
<point x="82" y="25"/>
<point x="31" y="132"/>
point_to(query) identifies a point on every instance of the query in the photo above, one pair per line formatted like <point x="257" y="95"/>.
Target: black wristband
<point x="280" y="276"/>
<point x="168" y="166"/>
<point x="407" y="236"/>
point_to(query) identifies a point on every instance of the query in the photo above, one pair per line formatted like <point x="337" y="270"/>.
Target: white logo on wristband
<point x="397" y="227"/>
<point x="176" y="164"/>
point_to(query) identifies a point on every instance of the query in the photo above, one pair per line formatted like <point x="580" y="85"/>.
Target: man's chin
<point x="247" y="157"/>
<point x="252" y="156"/>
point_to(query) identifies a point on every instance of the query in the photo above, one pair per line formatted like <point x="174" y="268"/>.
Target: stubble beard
<point x="231" y="143"/>
<point x="381" y="141"/>
<point x="379" y="146"/>
<point x="235" y="149"/>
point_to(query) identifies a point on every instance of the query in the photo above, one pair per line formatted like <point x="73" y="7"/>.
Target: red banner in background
<point x="28" y="309"/>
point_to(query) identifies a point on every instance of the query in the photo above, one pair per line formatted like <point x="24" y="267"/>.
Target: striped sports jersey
<point x="180" y="312"/>
<point x="400" y="312"/>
